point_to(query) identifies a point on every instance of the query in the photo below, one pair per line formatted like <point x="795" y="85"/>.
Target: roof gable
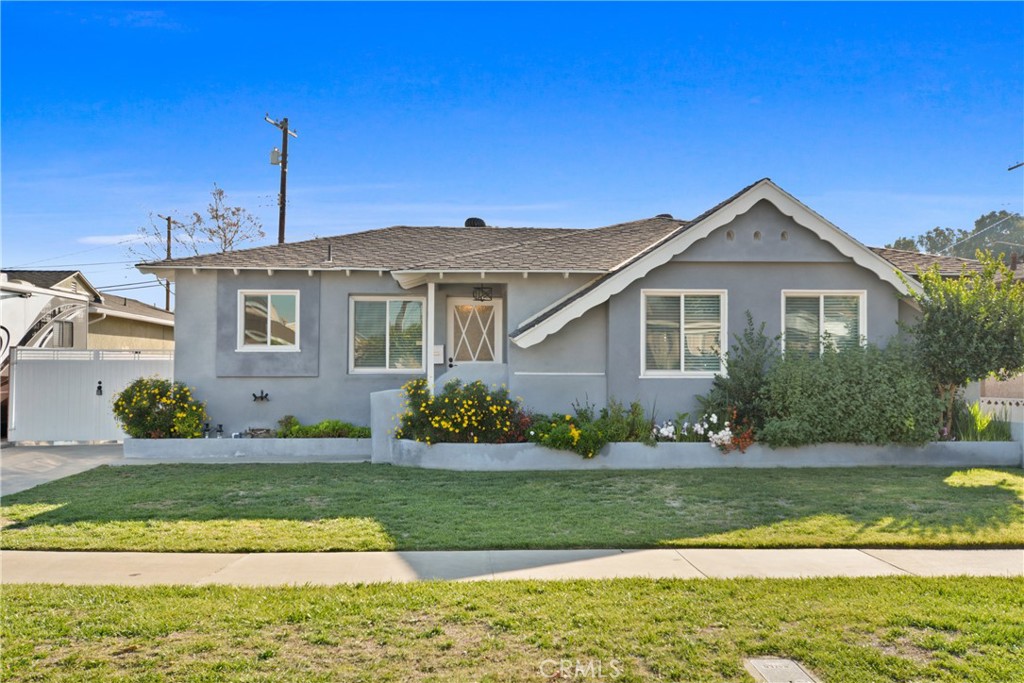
<point x="71" y="281"/>
<point x="557" y="315"/>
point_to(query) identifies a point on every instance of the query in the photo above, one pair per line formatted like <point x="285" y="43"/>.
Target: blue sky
<point x="886" y="118"/>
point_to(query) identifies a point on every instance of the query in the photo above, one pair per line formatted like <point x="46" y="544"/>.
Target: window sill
<point x="384" y="371"/>
<point x="684" y="375"/>
<point x="268" y="349"/>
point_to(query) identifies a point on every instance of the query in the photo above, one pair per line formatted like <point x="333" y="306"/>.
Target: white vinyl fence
<point x="62" y="395"/>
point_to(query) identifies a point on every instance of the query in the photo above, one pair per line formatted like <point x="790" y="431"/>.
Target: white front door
<point x="474" y="330"/>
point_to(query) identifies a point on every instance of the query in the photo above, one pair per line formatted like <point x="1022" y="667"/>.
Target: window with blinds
<point x="268" y="320"/>
<point x="683" y="333"/>
<point x="814" y="320"/>
<point x="387" y="335"/>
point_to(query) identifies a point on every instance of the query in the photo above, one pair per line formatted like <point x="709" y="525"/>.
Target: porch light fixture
<point x="482" y="293"/>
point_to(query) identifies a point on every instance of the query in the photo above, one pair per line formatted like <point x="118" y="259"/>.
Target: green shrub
<point x="741" y="389"/>
<point x="971" y="423"/>
<point x="153" y="408"/>
<point x="461" y="413"/>
<point x="586" y="435"/>
<point x="288" y="427"/>
<point x="864" y="395"/>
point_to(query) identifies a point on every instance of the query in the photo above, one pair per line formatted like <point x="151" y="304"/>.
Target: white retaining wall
<point x="634" y="456"/>
<point x="249" y="450"/>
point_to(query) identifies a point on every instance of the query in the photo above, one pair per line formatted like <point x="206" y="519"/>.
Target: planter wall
<point x="634" y="456"/>
<point x="249" y="450"/>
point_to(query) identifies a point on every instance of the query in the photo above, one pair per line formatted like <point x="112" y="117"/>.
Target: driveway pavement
<point x="23" y="467"/>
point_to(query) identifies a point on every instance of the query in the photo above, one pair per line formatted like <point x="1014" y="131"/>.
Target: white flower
<point x="714" y="419"/>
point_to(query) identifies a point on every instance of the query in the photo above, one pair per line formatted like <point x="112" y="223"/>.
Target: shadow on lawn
<point x="382" y="508"/>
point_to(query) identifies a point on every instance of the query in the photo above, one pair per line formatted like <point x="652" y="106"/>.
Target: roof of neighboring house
<point x="949" y="266"/>
<point x="51" y="279"/>
<point x="120" y="306"/>
<point x="45" y="279"/>
<point x="109" y="304"/>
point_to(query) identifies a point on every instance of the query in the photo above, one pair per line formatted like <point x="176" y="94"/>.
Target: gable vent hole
<point x="757" y="235"/>
<point x="474" y="222"/>
<point x="730" y="235"/>
<point x="784" y="236"/>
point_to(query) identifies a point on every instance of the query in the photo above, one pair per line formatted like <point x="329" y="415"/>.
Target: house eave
<point x="407" y="279"/>
<point x="112" y="312"/>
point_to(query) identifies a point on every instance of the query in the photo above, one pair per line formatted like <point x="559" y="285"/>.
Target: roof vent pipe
<point x="1014" y="260"/>
<point x="664" y="215"/>
<point x="474" y="222"/>
<point x="330" y="256"/>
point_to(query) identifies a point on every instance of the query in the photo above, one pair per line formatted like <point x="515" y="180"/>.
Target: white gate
<point x="62" y="395"/>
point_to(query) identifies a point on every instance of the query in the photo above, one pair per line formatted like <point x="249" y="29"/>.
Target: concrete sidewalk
<point x="277" y="569"/>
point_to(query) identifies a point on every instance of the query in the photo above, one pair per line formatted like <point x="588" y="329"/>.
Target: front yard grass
<point x="320" y="507"/>
<point x="878" y="629"/>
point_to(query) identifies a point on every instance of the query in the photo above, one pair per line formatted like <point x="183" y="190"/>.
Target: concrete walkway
<point x="277" y="569"/>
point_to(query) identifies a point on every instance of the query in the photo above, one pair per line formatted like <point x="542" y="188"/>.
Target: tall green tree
<point x="969" y="327"/>
<point x="996" y="231"/>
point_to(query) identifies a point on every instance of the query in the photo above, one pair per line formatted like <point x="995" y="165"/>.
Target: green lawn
<point x="879" y="629"/>
<point x="377" y="507"/>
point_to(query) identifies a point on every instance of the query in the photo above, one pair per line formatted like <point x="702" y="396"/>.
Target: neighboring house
<point x="117" y="323"/>
<point x="635" y="311"/>
<point x="60" y="309"/>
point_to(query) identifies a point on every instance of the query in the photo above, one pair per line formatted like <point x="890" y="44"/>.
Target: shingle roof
<point x="446" y="248"/>
<point x="118" y="304"/>
<point x="949" y="266"/>
<point x="40" y="278"/>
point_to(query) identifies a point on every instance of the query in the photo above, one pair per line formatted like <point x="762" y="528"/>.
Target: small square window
<point x="268" y="320"/>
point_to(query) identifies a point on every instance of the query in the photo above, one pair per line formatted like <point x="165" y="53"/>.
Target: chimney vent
<point x="474" y="222"/>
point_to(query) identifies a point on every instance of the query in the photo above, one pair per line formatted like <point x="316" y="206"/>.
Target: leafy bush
<point x="586" y="435"/>
<point x="971" y="423"/>
<point x="742" y="388"/>
<point x="153" y="408"/>
<point x="461" y="413"/>
<point x="864" y="395"/>
<point x="290" y="428"/>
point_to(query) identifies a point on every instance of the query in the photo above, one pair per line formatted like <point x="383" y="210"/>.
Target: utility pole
<point x="167" y="282"/>
<point x="281" y="158"/>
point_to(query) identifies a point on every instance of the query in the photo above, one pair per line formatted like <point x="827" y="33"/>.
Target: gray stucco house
<point x="641" y="310"/>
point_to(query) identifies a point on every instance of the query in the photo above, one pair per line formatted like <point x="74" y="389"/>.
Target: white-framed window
<point x="268" y="320"/>
<point x="682" y="332"/>
<point x="812" y="318"/>
<point x="386" y="334"/>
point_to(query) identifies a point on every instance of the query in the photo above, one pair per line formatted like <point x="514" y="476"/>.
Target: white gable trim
<point x="583" y="300"/>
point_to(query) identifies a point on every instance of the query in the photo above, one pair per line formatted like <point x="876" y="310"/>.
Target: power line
<point x="127" y="284"/>
<point x="73" y="265"/>
<point x="125" y="289"/>
<point x="83" y="251"/>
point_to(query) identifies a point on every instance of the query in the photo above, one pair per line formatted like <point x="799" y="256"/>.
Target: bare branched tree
<point x="222" y="228"/>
